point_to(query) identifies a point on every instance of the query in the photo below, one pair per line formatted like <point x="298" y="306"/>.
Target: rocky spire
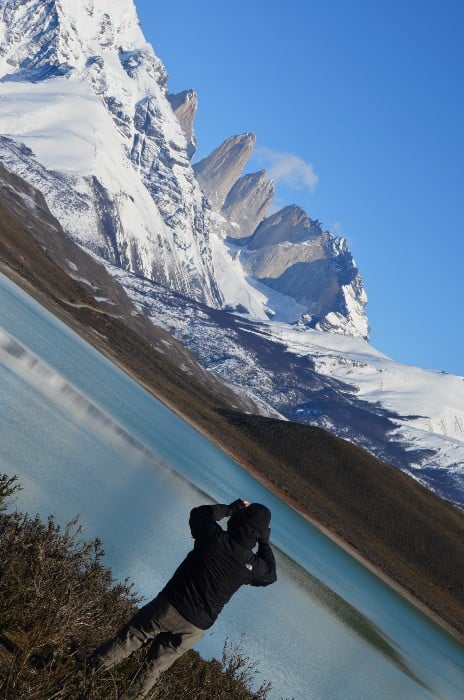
<point x="218" y="172"/>
<point x="247" y="203"/>
<point x="290" y="224"/>
<point x="184" y="105"/>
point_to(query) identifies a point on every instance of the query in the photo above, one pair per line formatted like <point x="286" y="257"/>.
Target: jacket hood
<point x="246" y="525"/>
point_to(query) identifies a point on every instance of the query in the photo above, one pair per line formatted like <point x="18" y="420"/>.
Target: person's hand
<point x="236" y="505"/>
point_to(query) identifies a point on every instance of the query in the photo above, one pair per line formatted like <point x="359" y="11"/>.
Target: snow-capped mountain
<point x="88" y="121"/>
<point x="269" y="302"/>
<point x="86" y="117"/>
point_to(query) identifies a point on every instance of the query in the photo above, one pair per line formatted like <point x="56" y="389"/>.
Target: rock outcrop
<point x="185" y="105"/>
<point x="291" y="224"/>
<point x="218" y="172"/>
<point x="247" y="203"/>
<point x="318" y="273"/>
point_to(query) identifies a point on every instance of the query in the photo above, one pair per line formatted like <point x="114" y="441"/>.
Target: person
<point x="220" y="562"/>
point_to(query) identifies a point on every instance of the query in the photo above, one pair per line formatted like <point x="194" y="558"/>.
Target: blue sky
<point x="361" y="103"/>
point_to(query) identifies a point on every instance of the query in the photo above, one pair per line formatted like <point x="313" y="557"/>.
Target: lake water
<point x="85" y="439"/>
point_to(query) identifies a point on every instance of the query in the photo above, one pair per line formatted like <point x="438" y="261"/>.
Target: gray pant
<point x="170" y="634"/>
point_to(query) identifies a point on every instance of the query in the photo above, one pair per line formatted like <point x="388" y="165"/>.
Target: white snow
<point x="432" y="402"/>
<point x="59" y="120"/>
<point x="232" y="281"/>
<point x="239" y="290"/>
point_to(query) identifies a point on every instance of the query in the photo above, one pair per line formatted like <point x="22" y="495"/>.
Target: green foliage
<point x="58" y="602"/>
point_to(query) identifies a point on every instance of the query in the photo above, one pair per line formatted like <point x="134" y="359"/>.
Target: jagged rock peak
<point x="185" y="105"/>
<point x="218" y="172"/>
<point x="291" y="254"/>
<point x="291" y="224"/>
<point x="247" y="203"/>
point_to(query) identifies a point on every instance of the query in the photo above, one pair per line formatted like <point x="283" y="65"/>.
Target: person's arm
<point x="203" y="520"/>
<point x="263" y="571"/>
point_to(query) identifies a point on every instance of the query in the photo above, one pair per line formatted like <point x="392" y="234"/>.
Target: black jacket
<point x="216" y="567"/>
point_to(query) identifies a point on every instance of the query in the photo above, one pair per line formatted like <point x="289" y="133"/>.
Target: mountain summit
<point x="109" y="147"/>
